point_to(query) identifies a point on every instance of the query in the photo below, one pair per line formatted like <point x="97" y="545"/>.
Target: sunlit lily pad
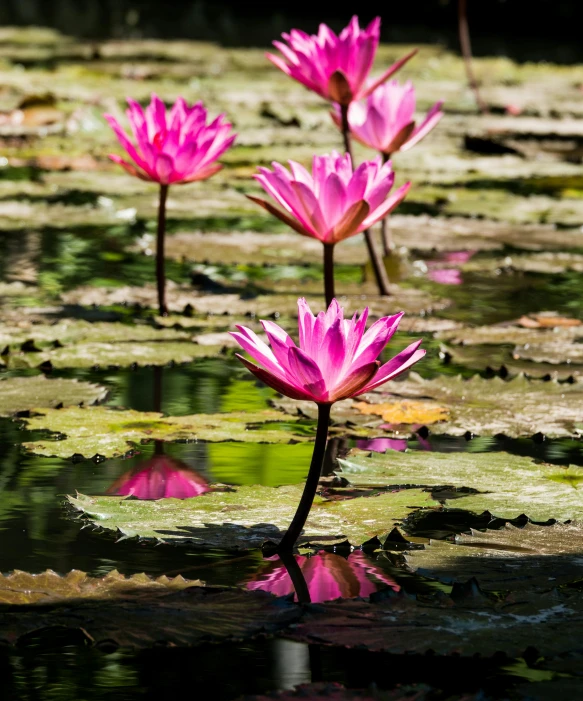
<point x="504" y="484"/>
<point x="502" y="359"/>
<point x="509" y="334"/>
<point x="518" y="407"/>
<point x="405" y="411"/>
<point x="473" y="625"/>
<point x="109" y="432"/>
<point x="144" y="613"/>
<point x="510" y="558"/>
<point x="249" y="516"/>
<point x="49" y="587"/>
<point x="22" y="393"/>
<point x="475" y="406"/>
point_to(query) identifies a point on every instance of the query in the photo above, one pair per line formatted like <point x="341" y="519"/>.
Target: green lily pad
<point x="555" y="352"/>
<point x="111" y="433"/>
<point x="49" y="587"/>
<point x="506" y="485"/>
<point x="22" y="393"/>
<point x="510" y="558"/>
<point x="88" y="355"/>
<point x="546" y="262"/>
<point x="471" y="625"/>
<point x="138" y="614"/>
<point x="247" y="517"/>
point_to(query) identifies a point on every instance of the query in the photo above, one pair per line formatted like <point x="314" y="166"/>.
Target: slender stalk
<point x="296" y="575"/>
<point x="329" y="272"/>
<point x="385" y="230"/>
<point x="466" y="46"/>
<point x="160" y="272"/>
<point x="288" y="541"/>
<point x="378" y="265"/>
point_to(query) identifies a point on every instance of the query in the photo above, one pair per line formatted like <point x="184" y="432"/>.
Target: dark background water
<point x="521" y="29"/>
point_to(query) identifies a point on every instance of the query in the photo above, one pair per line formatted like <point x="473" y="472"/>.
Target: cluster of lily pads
<point x="525" y="587"/>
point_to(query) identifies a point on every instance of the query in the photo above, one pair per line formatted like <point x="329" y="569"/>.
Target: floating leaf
<point x="551" y="623"/>
<point x="140" y="614"/>
<point x="111" y="432"/>
<point x="49" y="587"/>
<point x="476" y="405"/>
<point x="514" y="335"/>
<point x="510" y="558"/>
<point x="405" y="411"/>
<point x="507" y="485"/>
<point x="22" y="393"/>
<point x="247" y="517"/>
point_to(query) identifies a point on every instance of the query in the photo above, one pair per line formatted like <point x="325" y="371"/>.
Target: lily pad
<point x="528" y="406"/>
<point x="506" y="485"/>
<point x="22" y="393"/>
<point x="49" y="587"/>
<point x="112" y="433"/>
<point x="88" y="355"/>
<point x="510" y="558"/>
<point x="502" y="359"/>
<point x="509" y="334"/>
<point x="140" y="615"/>
<point x="248" y="516"/>
<point x="444" y="626"/>
<point x="554" y="352"/>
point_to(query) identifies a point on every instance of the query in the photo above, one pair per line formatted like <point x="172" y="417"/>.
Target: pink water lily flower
<point x="335" y="359"/>
<point x="336" y="67"/>
<point x="175" y="146"/>
<point x="159" y="478"/>
<point x="334" y="201"/>
<point x="385" y="121"/>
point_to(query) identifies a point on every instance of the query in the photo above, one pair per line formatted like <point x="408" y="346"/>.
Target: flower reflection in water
<point x="160" y="477"/>
<point x="326" y="575"/>
<point x="381" y="445"/>
<point x="443" y="268"/>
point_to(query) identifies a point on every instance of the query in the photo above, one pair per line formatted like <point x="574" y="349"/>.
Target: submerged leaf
<point x="23" y="393"/>
<point x="506" y="485"/>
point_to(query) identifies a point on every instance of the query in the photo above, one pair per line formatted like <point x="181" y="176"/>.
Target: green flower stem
<point x="293" y="532"/>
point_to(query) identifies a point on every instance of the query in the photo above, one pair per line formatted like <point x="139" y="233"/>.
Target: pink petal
<point x="390" y="203"/>
<point x="353" y="383"/>
<point x="397" y="365"/>
<point x="306" y="374"/>
<point x="430" y="122"/>
<point x="387" y="74"/>
<point x="276" y="383"/>
<point x="286" y="218"/>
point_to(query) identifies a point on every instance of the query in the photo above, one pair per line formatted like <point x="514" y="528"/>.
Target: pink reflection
<point x="443" y="270"/>
<point x="158" y="478"/>
<point x="381" y="445"/>
<point x="446" y="276"/>
<point x="327" y="576"/>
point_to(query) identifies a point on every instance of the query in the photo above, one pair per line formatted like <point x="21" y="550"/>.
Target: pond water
<point x="76" y="273"/>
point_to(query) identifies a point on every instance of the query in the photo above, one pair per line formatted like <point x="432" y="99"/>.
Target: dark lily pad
<point x="248" y="516"/>
<point x="466" y="625"/>
<point x="140" y="615"/>
<point x="22" y="393"/>
<point x="506" y="485"/>
<point x="540" y="557"/>
<point x="110" y="432"/>
<point x="337" y="692"/>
